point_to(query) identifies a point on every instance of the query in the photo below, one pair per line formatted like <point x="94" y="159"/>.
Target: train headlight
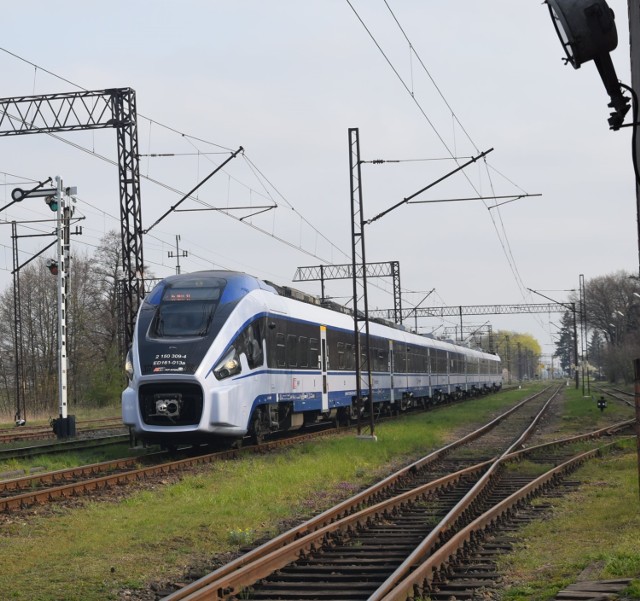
<point x="128" y="366"/>
<point x="229" y="366"/>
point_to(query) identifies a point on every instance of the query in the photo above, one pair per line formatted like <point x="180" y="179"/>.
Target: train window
<point x="381" y="360"/>
<point x="314" y="353"/>
<point x="417" y="361"/>
<point x="187" y="310"/>
<point x="441" y="362"/>
<point x="251" y="344"/>
<point x="348" y="352"/>
<point x="292" y="350"/>
<point x="400" y="359"/>
<point x="303" y="351"/>
<point x="341" y="362"/>
<point x="280" y="351"/>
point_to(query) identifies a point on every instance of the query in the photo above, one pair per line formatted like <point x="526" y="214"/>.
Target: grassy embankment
<point x="81" y="413"/>
<point x="594" y="532"/>
<point x="154" y="535"/>
<point x="64" y="460"/>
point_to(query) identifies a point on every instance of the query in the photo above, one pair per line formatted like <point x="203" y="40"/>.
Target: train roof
<point x="240" y="283"/>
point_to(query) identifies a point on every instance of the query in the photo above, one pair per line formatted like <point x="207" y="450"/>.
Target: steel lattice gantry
<point x="322" y="273"/>
<point x="456" y="311"/>
<point x="461" y="310"/>
<point x="97" y="109"/>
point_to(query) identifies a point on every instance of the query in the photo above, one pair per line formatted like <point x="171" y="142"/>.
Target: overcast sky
<point x="285" y="79"/>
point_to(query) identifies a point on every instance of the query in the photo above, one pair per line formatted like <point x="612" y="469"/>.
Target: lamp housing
<point x="587" y="31"/>
<point x="586" y="28"/>
<point x="52" y="266"/>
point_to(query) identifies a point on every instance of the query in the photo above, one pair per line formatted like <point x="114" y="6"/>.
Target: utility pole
<point x="634" y="51"/>
<point x="585" y="338"/>
<point x="178" y="254"/>
<point x="508" y="359"/>
<point x="21" y="413"/>
<point x="359" y="268"/>
<point x="519" y="361"/>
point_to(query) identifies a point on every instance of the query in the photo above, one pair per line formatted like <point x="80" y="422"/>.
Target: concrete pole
<point x="634" y="50"/>
<point x="62" y="252"/>
<point x="636" y="369"/>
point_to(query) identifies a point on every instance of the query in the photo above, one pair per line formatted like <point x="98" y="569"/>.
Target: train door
<point x="429" y="372"/>
<point x="324" y="362"/>
<point x="391" y="370"/>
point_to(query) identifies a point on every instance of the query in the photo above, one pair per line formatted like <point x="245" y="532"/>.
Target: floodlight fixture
<point x="587" y="31"/>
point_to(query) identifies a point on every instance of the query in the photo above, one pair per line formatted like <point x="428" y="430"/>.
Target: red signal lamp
<point x="52" y="266"/>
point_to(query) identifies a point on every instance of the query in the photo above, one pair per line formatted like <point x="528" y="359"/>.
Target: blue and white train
<point x="222" y="355"/>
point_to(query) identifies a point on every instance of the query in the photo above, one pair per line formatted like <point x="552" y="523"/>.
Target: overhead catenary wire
<point x="435" y="85"/>
<point x="505" y="244"/>
<point x="175" y="190"/>
<point x="190" y="139"/>
<point x="199" y="152"/>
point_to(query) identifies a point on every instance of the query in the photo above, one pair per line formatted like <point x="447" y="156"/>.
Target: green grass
<point x="81" y="413"/>
<point x="584" y="410"/>
<point x="67" y="460"/>
<point x="91" y="553"/>
<point x="594" y="528"/>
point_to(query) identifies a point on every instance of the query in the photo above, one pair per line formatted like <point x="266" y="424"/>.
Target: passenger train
<point x="220" y="355"/>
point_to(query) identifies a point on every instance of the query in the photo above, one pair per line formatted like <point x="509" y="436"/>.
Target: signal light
<point x="52" y="202"/>
<point x="52" y="266"/>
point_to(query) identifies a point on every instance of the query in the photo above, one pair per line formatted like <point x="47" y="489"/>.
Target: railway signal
<point x="65" y="425"/>
<point x="52" y="202"/>
<point x="52" y="266"/>
<point x="57" y="200"/>
<point x="602" y="403"/>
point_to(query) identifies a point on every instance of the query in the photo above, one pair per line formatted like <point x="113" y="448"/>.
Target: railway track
<point x="65" y="446"/>
<point x="46" y="433"/>
<point x="618" y="394"/>
<point x="400" y="538"/>
<point x="26" y="491"/>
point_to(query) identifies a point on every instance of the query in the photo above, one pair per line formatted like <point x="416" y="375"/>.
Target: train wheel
<point x="259" y="426"/>
<point x="343" y="419"/>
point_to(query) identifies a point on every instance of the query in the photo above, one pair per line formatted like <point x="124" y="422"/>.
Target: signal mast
<point x="65" y="425"/>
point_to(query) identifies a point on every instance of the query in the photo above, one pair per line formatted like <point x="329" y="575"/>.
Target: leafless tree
<point x="95" y="371"/>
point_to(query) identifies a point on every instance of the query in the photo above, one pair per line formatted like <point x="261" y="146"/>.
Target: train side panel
<point x="274" y="363"/>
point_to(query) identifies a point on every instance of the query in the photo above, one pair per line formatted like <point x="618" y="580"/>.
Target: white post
<point x="63" y="256"/>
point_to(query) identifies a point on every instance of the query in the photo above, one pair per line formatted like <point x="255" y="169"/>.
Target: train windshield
<point x="187" y="308"/>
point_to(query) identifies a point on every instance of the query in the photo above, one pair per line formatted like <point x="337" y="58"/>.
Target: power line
<point x="435" y="85"/>
<point x="505" y="244"/>
<point x="189" y="138"/>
